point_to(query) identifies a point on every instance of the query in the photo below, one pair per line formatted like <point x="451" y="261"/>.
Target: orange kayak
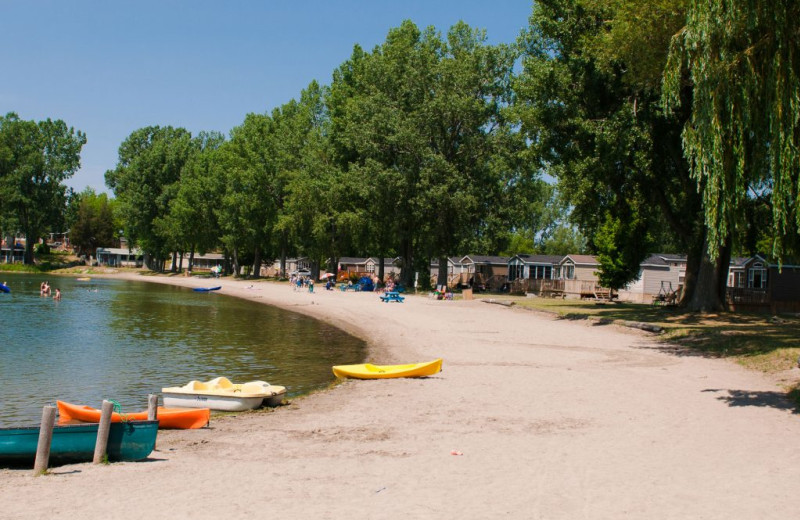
<point x="175" y="418"/>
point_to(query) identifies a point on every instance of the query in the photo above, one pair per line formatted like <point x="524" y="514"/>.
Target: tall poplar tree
<point x="144" y="182"/>
<point x="420" y="118"/>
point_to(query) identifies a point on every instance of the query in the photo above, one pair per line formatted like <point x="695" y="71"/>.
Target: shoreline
<point x="555" y="419"/>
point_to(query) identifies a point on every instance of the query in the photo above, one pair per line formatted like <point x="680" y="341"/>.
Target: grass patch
<point x="794" y="395"/>
<point x="45" y="263"/>
<point x="22" y="268"/>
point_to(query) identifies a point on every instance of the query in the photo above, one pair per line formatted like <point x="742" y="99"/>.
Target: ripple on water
<point x="110" y="339"/>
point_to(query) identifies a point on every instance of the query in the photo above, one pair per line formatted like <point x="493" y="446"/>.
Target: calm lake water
<point x="111" y="339"/>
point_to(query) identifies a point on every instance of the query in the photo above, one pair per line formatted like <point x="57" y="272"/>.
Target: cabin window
<point x="757" y="276"/>
<point x="568" y="271"/>
<point x="370" y="268"/>
<point x="540" y="272"/>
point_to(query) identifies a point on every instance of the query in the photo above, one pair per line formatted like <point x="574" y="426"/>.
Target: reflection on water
<point x="109" y="339"/>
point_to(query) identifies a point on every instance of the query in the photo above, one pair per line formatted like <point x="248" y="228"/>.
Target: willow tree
<point x="742" y="61"/>
<point x="588" y="99"/>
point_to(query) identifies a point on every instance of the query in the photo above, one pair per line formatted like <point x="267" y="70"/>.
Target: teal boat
<point x="74" y="443"/>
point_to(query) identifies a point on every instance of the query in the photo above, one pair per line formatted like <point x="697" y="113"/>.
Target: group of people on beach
<point x="299" y="283"/>
<point x="45" y="290"/>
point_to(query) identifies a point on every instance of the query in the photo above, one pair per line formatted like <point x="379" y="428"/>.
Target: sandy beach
<point x="549" y="419"/>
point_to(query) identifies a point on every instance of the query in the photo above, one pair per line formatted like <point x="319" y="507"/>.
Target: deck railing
<point x="746" y="296"/>
<point x="559" y="288"/>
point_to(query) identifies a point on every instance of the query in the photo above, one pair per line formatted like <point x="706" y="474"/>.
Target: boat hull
<point x="168" y="418"/>
<point x="5" y="288"/>
<point x="214" y="402"/>
<point x="221" y="394"/>
<point x="370" y="371"/>
<point x="127" y="441"/>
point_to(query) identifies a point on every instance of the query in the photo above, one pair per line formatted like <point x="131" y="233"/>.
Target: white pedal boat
<point x="221" y="394"/>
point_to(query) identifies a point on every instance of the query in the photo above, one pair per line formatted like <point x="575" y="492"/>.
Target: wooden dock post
<point x="101" y="445"/>
<point x="45" y="439"/>
<point x="152" y="407"/>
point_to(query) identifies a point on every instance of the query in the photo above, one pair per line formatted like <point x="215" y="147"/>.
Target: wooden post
<point x="152" y="407"/>
<point x="101" y="445"/>
<point x="45" y="439"/>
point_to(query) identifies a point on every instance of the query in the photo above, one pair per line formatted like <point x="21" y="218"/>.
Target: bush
<point x="41" y="249"/>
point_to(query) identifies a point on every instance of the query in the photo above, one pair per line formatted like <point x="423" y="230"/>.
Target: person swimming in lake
<point x="45" y="288"/>
<point x="57" y="296"/>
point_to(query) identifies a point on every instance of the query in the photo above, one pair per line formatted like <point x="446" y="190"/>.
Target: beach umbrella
<point x="326" y="275"/>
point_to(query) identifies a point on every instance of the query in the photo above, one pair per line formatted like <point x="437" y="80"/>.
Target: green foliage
<point x="587" y="102"/>
<point x="636" y="36"/>
<point x="618" y="266"/>
<point x="419" y="120"/>
<point x="145" y="181"/>
<point x="564" y="240"/>
<point x="520" y="243"/>
<point x="192" y="221"/>
<point x="36" y="158"/>
<point x="94" y="223"/>
<point x="741" y="60"/>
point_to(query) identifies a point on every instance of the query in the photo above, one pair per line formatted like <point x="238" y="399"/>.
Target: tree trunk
<point x="441" y="275"/>
<point x="150" y="262"/>
<point x="694" y="254"/>
<point x="256" y="263"/>
<point x="712" y="276"/>
<point x="191" y="260"/>
<point x="174" y="262"/>
<point x="235" y="261"/>
<point x="407" y="269"/>
<point x="334" y="267"/>
<point x="28" y="258"/>
<point x="283" y="255"/>
<point x="314" y="268"/>
<point x="424" y="280"/>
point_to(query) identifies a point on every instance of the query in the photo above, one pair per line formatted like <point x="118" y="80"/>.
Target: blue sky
<point x="108" y="68"/>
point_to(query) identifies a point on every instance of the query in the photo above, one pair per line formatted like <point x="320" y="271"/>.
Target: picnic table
<point x="392" y="296"/>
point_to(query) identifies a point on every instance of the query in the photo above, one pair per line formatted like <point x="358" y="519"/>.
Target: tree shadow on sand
<point x="761" y="399"/>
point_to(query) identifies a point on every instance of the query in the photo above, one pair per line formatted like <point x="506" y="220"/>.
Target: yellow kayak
<point x="370" y="371"/>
